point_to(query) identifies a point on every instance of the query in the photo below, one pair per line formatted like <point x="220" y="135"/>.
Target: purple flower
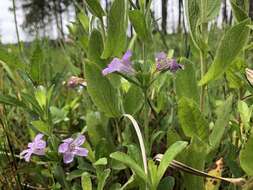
<point x="71" y="147"/>
<point x="123" y="65"/>
<point x="164" y="64"/>
<point x="37" y="147"/>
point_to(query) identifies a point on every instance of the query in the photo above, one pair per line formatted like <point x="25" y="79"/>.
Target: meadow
<point x="111" y="110"/>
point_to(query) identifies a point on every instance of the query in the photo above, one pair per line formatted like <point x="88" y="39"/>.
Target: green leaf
<point x="221" y="122"/>
<point x="103" y="94"/>
<point x="102" y="176"/>
<point x="9" y="100"/>
<point x="213" y="8"/>
<point x="128" y="161"/>
<point x="245" y="113"/>
<point x="166" y="183"/>
<point x="229" y="48"/>
<point x="97" y="127"/>
<point x="186" y="83"/>
<point x="235" y="73"/>
<point x="116" y="39"/>
<point x="84" y="20"/>
<point x="195" y="156"/>
<point x="239" y="13"/>
<point x="37" y="63"/>
<point x="139" y="23"/>
<point x="152" y="168"/>
<point x="41" y="96"/>
<point x="95" y="8"/>
<point x="96" y="48"/>
<point x="86" y="181"/>
<point x="60" y="177"/>
<point x="168" y="156"/>
<point x="74" y="174"/>
<point x="133" y="100"/>
<point x="101" y="162"/>
<point x="192" y="120"/>
<point x="41" y="126"/>
<point x="246" y="157"/>
<point x="193" y="13"/>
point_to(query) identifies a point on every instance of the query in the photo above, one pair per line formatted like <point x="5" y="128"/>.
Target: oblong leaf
<point x="95" y="8"/>
<point x="192" y="120"/>
<point x="229" y="48"/>
<point x="246" y="157"/>
<point x="103" y="94"/>
<point x="86" y="181"/>
<point x="128" y="161"/>
<point x="138" y="21"/>
<point x="116" y="39"/>
<point x="168" y="156"/>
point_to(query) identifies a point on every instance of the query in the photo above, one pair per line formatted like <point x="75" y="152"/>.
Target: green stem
<point x="16" y="26"/>
<point x="202" y="92"/>
<point x="103" y="29"/>
<point x="118" y="132"/>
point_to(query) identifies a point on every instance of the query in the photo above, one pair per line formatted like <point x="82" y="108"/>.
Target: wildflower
<point x="37" y="147"/>
<point x="123" y="65"/>
<point x="249" y="75"/>
<point x="76" y="81"/>
<point x="71" y="147"/>
<point x="164" y="64"/>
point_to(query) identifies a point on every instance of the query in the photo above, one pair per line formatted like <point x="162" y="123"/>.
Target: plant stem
<point x="103" y="29"/>
<point x="202" y="92"/>
<point x="16" y="25"/>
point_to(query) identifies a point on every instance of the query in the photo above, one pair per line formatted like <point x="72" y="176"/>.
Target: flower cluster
<point x="164" y="64"/>
<point x="124" y="65"/>
<point x="69" y="148"/>
<point x="74" y="81"/>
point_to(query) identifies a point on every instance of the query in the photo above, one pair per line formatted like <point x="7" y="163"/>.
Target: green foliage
<point x="246" y="155"/>
<point x="221" y="123"/>
<point x="192" y="120"/>
<point x="177" y="128"/>
<point x="186" y="83"/>
<point x="86" y="181"/>
<point x="229" y="48"/>
<point x="133" y="100"/>
<point x="117" y="23"/>
<point x="95" y="8"/>
<point x="104" y="95"/>
<point x="139" y="23"/>
<point x="127" y="160"/>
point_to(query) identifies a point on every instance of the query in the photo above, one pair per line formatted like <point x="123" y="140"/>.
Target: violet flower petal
<point x="68" y="140"/>
<point x="40" y="144"/>
<point x="63" y="147"/>
<point x="81" y="151"/>
<point x="68" y="157"/>
<point x="39" y="152"/>
<point x="79" y="140"/>
<point x="38" y="137"/>
<point x="126" y="57"/>
<point x="161" y="56"/>
<point x="27" y="156"/>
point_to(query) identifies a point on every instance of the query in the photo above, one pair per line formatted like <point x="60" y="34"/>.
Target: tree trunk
<point x="61" y="20"/>
<point x="251" y="9"/>
<point x="164" y="15"/>
<point x="224" y="12"/>
<point x="180" y="5"/>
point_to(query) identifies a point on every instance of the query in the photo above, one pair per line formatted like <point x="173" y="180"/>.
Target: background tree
<point x="164" y="15"/>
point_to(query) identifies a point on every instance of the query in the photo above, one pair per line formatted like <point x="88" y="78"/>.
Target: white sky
<point x="7" y="26"/>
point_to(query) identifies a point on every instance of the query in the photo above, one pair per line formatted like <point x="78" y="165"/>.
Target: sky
<point x="7" y="26"/>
